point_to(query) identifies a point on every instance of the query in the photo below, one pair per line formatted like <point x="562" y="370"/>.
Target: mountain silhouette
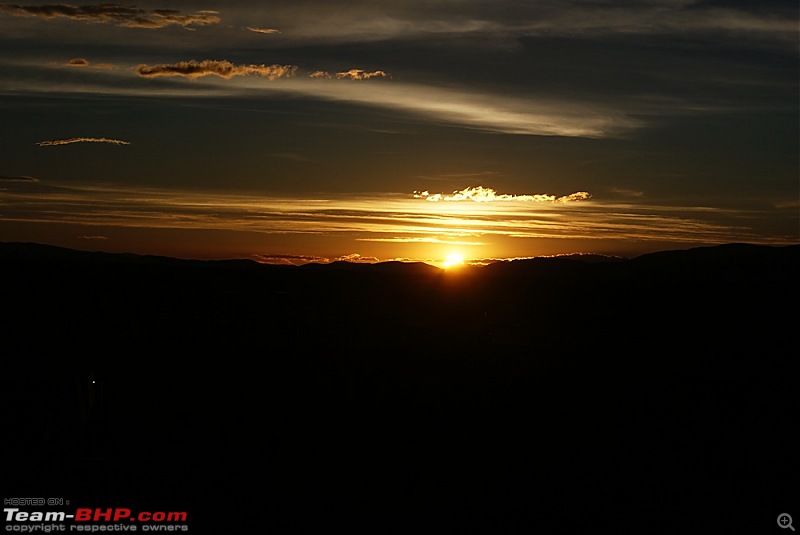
<point x="554" y="395"/>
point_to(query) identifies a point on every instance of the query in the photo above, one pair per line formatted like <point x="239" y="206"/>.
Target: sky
<point x="312" y="131"/>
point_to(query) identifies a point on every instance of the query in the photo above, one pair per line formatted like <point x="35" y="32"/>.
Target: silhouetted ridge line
<point x="749" y="254"/>
<point x="389" y="266"/>
<point x="731" y="262"/>
<point x="26" y="251"/>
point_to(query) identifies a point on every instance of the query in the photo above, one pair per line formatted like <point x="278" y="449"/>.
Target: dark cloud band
<point x="128" y="16"/>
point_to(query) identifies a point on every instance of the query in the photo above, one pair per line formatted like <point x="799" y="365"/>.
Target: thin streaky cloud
<point x="352" y="74"/>
<point x="72" y="140"/>
<point x="7" y="178"/>
<point x="423" y="239"/>
<point x="126" y="16"/>
<point x="85" y="63"/>
<point x="223" y="69"/>
<point x="416" y="20"/>
<point x="489" y="112"/>
<point x="456" y="176"/>
<point x="469" y="108"/>
<point x="387" y="216"/>
<point x="101" y="238"/>
<point x="289" y="260"/>
<point x="792" y="203"/>
<point x="256" y="29"/>
<point x="627" y="192"/>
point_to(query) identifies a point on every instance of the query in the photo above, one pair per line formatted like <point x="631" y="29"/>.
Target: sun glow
<point x="453" y="260"/>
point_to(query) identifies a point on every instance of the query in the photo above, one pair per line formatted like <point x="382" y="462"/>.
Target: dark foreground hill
<point x="542" y="396"/>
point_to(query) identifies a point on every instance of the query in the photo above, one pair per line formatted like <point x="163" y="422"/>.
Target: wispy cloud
<point x="72" y="140"/>
<point x="320" y="74"/>
<point x="256" y="29"/>
<point x="352" y="74"/>
<point x="493" y="112"/>
<point x="416" y="20"/>
<point x="392" y="218"/>
<point x="358" y="259"/>
<point x="6" y="178"/>
<point x="481" y="194"/>
<point x="489" y="111"/>
<point x="100" y="238"/>
<point x="628" y="192"/>
<point x="223" y="69"/>
<point x="451" y="239"/>
<point x="359" y="74"/>
<point x="83" y="62"/>
<point x="127" y="16"/>
<point x="289" y="260"/>
<point x="574" y="197"/>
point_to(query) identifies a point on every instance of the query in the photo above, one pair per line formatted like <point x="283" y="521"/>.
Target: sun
<point x="453" y="260"/>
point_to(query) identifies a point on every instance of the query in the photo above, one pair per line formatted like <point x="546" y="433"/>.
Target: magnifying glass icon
<point x="785" y="521"/>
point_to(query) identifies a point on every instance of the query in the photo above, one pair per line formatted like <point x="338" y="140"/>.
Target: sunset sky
<point x="310" y="130"/>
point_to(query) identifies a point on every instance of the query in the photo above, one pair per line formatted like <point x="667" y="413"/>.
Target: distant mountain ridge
<point x="736" y="298"/>
<point x="31" y="251"/>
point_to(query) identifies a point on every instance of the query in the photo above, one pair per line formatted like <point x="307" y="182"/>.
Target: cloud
<point x="256" y="29"/>
<point x="468" y="107"/>
<point x="83" y="62"/>
<point x="789" y="203"/>
<point x="388" y="217"/>
<point x="82" y="140"/>
<point x="628" y="192"/>
<point x="6" y="178"/>
<point x="320" y="74"/>
<point x="93" y="238"/>
<point x="289" y="260"/>
<point x="223" y="69"/>
<point x="493" y="112"/>
<point x="481" y="194"/>
<point x="574" y="197"/>
<point x="352" y="74"/>
<point x="127" y="16"/>
<point x="414" y="19"/>
<point x="357" y="258"/>
<point x="451" y="239"/>
<point x="358" y="74"/>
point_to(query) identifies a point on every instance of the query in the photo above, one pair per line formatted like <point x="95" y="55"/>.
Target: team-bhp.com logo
<point x="93" y="519"/>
